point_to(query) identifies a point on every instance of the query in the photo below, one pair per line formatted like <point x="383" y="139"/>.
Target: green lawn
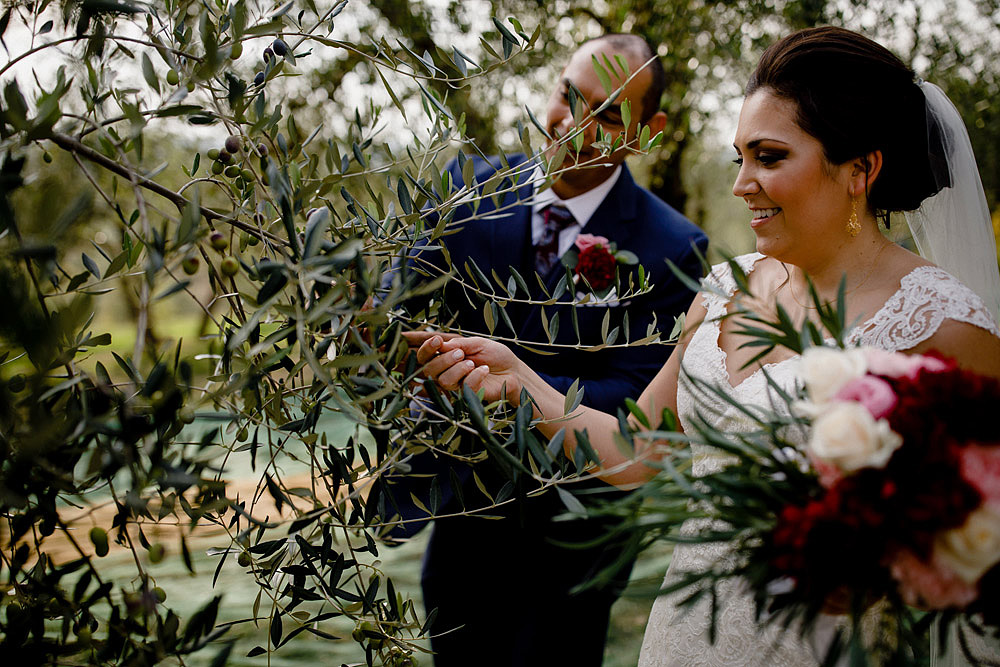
<point x="187" y="592"/>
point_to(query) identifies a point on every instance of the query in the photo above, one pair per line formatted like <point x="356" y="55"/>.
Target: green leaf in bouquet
<point x="602" y="75"/>
<point x="537" y="124"/>
<point x="477" y="417"/>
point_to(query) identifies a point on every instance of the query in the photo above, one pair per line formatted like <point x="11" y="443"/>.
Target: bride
<point x="835" y="133"/>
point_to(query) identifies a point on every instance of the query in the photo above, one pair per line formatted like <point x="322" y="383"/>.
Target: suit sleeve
<point x="421" y="261"/>
<point x="625" y="372"/>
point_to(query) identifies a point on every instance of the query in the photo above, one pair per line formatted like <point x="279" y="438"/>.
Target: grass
<point x="187" y="592"/>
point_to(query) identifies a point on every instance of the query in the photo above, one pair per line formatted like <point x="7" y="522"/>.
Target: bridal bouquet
<point x="872" y="488"/>
<point x="906" y="451"/>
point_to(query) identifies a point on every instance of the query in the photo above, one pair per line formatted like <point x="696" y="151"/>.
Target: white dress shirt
<point x="582" y="207"/>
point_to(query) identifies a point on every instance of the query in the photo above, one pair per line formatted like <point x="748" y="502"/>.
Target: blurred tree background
<point x="197" y="199"/>
<point x="708" y="50"/>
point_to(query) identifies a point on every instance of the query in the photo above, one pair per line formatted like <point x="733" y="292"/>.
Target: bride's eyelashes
<point x="766" y="158"/>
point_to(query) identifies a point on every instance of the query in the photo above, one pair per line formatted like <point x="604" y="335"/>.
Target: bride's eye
<point x="768" y="159"/>
<point x="738" y="161"/>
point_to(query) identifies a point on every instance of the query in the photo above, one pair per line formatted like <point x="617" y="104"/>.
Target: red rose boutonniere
<point x="595" y="262"/>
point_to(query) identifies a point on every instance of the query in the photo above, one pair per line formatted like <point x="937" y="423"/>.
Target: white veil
<point x="953" y="228"/>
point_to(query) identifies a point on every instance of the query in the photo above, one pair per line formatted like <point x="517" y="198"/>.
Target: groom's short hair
<point x="639" y="48"/>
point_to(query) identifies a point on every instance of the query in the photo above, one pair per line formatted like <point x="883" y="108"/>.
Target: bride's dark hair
<point x="855" y="97"/>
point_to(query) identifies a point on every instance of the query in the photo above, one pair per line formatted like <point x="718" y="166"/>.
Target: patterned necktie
<point x="557" y="218"/>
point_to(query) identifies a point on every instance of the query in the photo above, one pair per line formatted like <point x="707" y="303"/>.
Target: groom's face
<point x="578" y="93"/>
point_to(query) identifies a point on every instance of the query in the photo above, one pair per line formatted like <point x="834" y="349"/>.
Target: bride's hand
<point x="478" y="363"/>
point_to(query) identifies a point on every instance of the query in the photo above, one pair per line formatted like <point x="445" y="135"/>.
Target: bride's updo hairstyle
<point x="855" y="97"/>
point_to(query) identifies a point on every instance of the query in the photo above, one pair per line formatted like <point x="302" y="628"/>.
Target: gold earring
<point x="853" y="226"/>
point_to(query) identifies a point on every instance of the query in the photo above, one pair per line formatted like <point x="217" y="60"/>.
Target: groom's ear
<point x="657" y="123"/>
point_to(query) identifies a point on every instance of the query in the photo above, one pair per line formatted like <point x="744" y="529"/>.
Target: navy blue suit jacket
<point x="516" y="558"/>
<point x="498" y="238"/>
<point x="631" y="217"/>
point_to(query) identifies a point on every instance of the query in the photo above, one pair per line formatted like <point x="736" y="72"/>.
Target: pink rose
<point x="872" y="392"/>
<point x="584" y="241"/>
<point x="896" y="364"/>
<point x="929" y="585"/>
<point x="980" y="467"/>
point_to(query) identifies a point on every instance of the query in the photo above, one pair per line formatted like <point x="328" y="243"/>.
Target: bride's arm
<point x="480" y="363"/>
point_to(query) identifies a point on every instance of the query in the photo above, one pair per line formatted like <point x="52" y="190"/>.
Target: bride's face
<point x="799" y="201"/>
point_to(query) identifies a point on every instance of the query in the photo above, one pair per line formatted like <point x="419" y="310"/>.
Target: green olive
<point x="156" y="553"/>
<point x="229" y="266"/>
<point x="99" y="538"/>
<point x="218" y="240"/>
<point x="17" y="383"/>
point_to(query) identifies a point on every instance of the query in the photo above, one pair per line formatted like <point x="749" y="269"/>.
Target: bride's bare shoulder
<point x="898" y="262"/>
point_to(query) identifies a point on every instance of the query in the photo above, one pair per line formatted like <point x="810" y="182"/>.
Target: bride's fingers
<point x="418" y="338"/>
<point x="429" y="349"/>
<point x="441" y="363"/>
<point x="452" y="378"/>
<point x="474" y="380"/>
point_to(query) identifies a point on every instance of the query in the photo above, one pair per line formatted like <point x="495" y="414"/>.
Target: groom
<point x="503" y="587"/>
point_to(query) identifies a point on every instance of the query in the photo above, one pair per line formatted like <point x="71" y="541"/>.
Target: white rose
<point x="974" y="547"/>
<point x="825" y="370"/>
<point x="847" y="436"/>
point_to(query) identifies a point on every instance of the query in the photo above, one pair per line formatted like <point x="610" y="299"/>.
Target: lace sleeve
<point x="721" y="279"/>
<point x="927" y="296"/>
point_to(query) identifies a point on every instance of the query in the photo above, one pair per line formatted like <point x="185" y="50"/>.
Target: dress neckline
<point x="752" y="259"/>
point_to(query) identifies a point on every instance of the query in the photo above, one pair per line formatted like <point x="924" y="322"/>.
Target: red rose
<point x="597" y="265"/>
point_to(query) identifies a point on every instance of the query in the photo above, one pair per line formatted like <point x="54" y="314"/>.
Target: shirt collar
<point x="582" y="206"/>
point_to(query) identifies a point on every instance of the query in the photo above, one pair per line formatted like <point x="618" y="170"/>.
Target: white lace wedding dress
<point x="679" y="637"/>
